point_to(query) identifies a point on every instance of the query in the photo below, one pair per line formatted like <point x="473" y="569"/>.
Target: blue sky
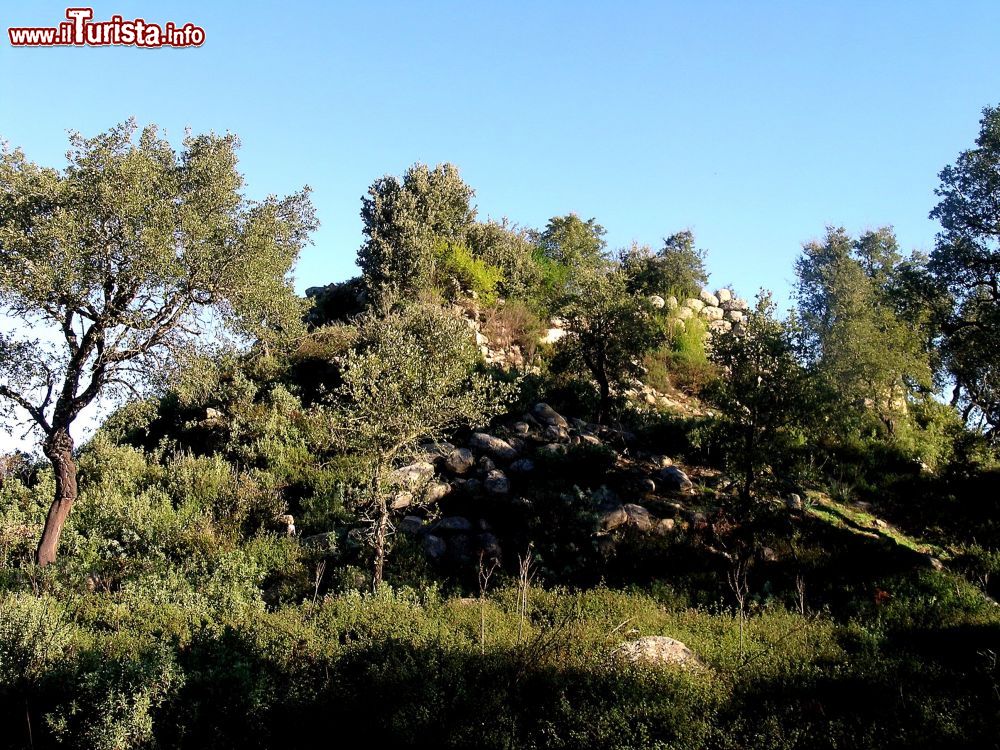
<point x="754" y="124"/>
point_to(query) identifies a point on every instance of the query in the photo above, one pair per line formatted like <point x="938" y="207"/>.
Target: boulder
<point x="496" y="483"/>
<point x="647" y="485"/>
<point x="661" y="462"/>
<point x="489" y="545"/>
<point x="522" y="466"/>
<point x="665" y="525"/>
<point x="724" y="295"/>
<point x="708" y="298"/>
<point x="683" y="313"/>
<point x="712" y="313"/>
<point x="694" y="304"/>
<point x="552" y="335"/>
<point x="493" y="446"/>
<point x="522" y="428"/>
<point x="460" y="460"/>
<point x="671" y="302"/>
<point x="675" y="479"/>
<point x="434" y="546"/>
<point x="453" y="525"/>
<point x="613" y="518"/>
<point x="435" y="491"/>
<point x="401" y="500"/>
<point x="412" y="475"/>
<point x="735" y="316"/>
<point x="794" y="502"/>
<point x="411" y="525"/>
<point x="657" y="650"/>
<point x="639" y="517"/>
<point x="548" y="415"/>
<point x="657" y="301"/>
<point x="555" y="433"/>
<point x="485" y="465"/>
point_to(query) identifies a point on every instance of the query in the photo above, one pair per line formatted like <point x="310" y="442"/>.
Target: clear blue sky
<point x="754" y="124"/>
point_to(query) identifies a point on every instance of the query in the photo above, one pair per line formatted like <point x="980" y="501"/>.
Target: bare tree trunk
<point x="381" y="533"/>
<point x="59" y="450"/>
<point x="604" y="407"/>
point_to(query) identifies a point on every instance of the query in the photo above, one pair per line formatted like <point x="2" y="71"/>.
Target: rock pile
<point x="721" y="311"/>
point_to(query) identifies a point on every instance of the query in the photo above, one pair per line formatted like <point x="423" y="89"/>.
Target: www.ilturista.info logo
<point x="80" y="31"/>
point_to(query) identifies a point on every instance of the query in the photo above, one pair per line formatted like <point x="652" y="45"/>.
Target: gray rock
<point x="694" y="304"/>
<point x="496" y="483"/>
<point x="724" y="295"/>
<point x="453" y="524"/>
<point x="434" y="546"/>
<point x="675" y="479"/>
<point x="794" y="502"/>
<point x="493" y="446"/>
<point x="657" y="301"/>
<point x="485" y="465"/>
<point x="708" y="298"/>
<point x="411" y="525"/>
<point x="435" y="491"/>
<point x="647" y="485"/>
<point x="460" y="460"/>
<point x="522" y="428"/>
<point x="639" y="517"/>
<point x="613" y="519"/>
<point x="523" y="466"/>
<point x="665" y="525"/>
<point x="683" y="313"/>
<point x="412" y="475"/>
<point x="713" y="313"/>
<point x="548" y="415"/>
<point x="401" y="500"/>
<point x="555" y="433"/>
<point x="657" y="650"/>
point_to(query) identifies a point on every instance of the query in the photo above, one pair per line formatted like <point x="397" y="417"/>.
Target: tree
<point x="573" y="242"/>
<point x="965" y="265"/>
<point x="119" y="260"/>
<point x="411" y="378"/>
<point x="678" y="268"/>
<point x="763" y="395"/>
<point x="609" y="331"/>
<point x="862" y="331"/>
<point x="404" y="220"/>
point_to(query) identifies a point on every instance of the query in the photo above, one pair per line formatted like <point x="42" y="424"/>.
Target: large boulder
<point x="452" y="525"/>
<point x="460" y="460"/>
<point x="412" y="475"/>
<point x="435" y="491"/>
<point x="683" y="313"/>
<point x="724" y="295"/>
<point x="708" y="298"/>
<point x="493" y="446"/>
<point x="657" y="301"/>
<point x="434" y="546"/>
<point x="548" y="415"/>
<point x="496" y="483"/>
<point x="694" y="304"/>
<point x="639" y="517"/>
<point x="522" y="466"/>
<point x="613" y="519"/>
<point x="675" y="479"/>
<point x="713" y="313"/>
<point x="657" y="651"/>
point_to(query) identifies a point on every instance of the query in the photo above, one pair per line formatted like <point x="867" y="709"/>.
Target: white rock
<point x="708" y="298"/>
<point x="657" y="301"/>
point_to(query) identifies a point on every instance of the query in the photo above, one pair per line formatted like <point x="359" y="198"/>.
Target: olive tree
<point x="608" y="332"/>
<point x="411" y="378"/>
<point x="110" y="265"/>
<point x="764" y="395"/>
<point x="404" y="220"/>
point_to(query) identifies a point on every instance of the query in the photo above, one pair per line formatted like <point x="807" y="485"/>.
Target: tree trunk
<point x="59" y="450"/>
<point x="381" y="533"/>
<point x="604" y="407"/>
